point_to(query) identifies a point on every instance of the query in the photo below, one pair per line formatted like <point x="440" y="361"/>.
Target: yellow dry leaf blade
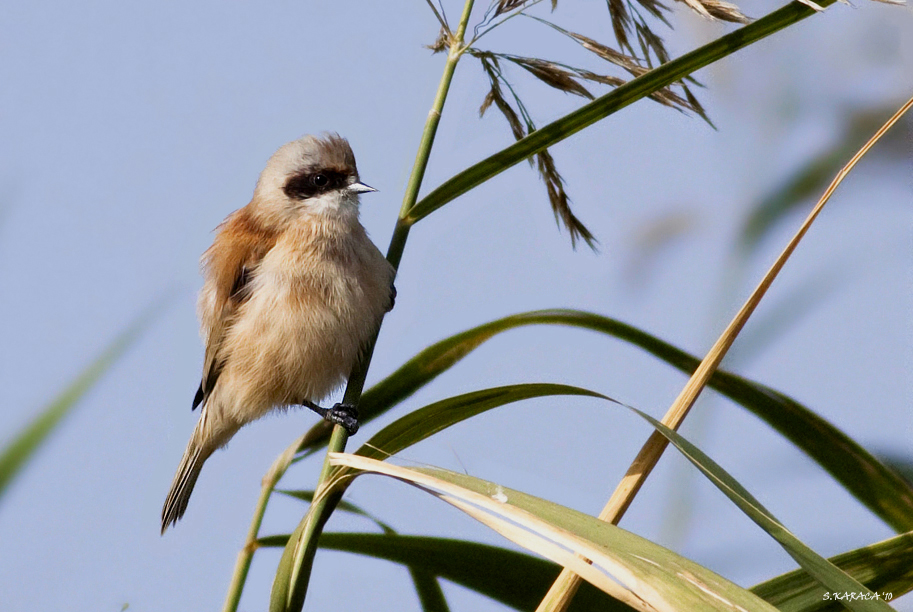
<point x="559" y="596"/>
<point x="630" y="568"/>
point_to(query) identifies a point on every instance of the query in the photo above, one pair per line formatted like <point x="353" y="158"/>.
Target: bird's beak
<point x="360" y="188"/>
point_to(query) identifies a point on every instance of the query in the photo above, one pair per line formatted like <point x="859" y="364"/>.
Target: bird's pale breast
<point x="313" y="306"/>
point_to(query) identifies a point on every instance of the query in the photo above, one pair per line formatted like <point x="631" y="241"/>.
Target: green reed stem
<point x="291" y="595"/>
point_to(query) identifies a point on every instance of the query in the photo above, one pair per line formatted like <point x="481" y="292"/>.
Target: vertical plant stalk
<point x="565" y="586"/>
<point x="324" y="504"/>
<point x="356" y="382"/>
<point x="246" y="555"/>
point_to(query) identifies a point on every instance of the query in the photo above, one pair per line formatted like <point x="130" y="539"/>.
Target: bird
<point x="294" y="292"/>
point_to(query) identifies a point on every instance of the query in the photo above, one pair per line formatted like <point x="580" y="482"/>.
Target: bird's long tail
<point x="191" y="463"/>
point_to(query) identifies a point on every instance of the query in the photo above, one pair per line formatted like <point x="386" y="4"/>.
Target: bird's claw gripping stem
<point x="340" y="414"/>
<point x="345" y="415"/>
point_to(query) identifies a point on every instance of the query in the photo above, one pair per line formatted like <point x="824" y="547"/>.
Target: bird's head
<point x="309" y="176"/>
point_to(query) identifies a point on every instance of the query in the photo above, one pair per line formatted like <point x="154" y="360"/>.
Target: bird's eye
<point x="321" y="180"/>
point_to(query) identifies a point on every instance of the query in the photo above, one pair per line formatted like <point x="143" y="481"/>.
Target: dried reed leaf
<point x="565" y="78"/>
<point x="601" y="78"/>
<point x="698" y="7"/>
<point x="724" y="11"/>
<point x="644" y="47"/>
<point x="695" y="105"/>
<point x="505" y="6"/>
<point x="606" y="53"/>
<point x="495" y="95"/>
<point x="442" y="43"/>
<point x="717" y="9"/>
<point x="626" y="19"/>
<point x="561" y="204"/>
<point x="516" y="127"/>
<point x="628" y="62"/>
<point x="545" y="163"/>
<point x="621" y="22"/>
<point x="486" y="102"/>
<point x="657" y="9"/>
<point x="651" y="46"/>
<point x="551" y="74"/>
<point x="649" y="41"/>
<point x="664" y="96"/>
<point x="669" y="98"/>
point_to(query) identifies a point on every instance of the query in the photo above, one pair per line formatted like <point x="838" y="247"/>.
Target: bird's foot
<point x="340" y="414"/>
<point x="345" y="415"/>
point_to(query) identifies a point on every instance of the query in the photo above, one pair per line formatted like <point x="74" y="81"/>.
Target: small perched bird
<point x="294" y="292"/>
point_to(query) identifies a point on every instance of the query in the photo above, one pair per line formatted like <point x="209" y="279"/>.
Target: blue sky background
<point x="129" y="131"/>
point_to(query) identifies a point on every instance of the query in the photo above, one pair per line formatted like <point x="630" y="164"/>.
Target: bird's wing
<point x="230" y="264"/>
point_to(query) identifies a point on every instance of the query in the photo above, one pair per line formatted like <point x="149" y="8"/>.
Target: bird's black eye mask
<point x="311" y="183"/>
